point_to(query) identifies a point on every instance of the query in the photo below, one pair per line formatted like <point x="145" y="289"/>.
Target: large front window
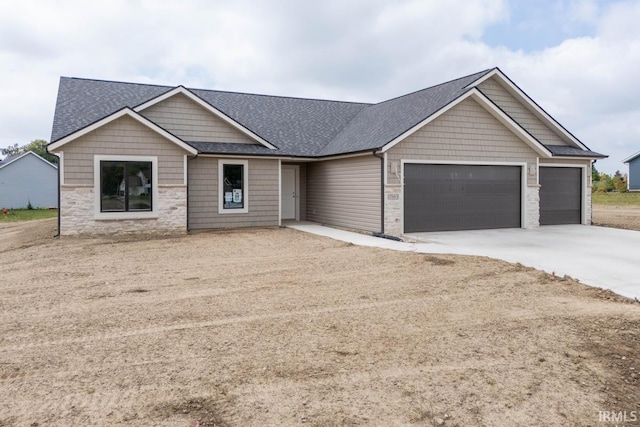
<point x="233" y="186"/>
<point x="126" y="186"/>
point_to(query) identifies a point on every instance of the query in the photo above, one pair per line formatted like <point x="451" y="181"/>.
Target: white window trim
<point x="125" y="215"/>
<point x="245" y="179"/>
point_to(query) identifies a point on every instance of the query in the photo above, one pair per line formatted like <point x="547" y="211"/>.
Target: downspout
<point x="59" y="204"/>
<point x="382" y="172"/>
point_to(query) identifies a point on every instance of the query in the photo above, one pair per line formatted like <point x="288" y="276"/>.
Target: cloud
<point x="363" y="50"/>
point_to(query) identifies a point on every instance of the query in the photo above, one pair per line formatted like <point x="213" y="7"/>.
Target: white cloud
<point x="364" y="50"/>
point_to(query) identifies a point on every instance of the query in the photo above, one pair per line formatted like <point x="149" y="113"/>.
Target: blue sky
<point x="577" y="59"/>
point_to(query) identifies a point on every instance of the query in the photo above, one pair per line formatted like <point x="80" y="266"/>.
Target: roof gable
<point x="55" y="146"/>
<point x="15" y="158"/>
<point x="489" y="106"/>
<point x="181" y="90"/>
<point x="515" y="91"/>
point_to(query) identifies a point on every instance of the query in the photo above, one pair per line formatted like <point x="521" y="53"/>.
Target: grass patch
<point x="616" y="199"/>
<point x="14" y="215"/>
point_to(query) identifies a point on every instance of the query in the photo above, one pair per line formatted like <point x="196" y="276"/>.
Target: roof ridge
<point x="216" y="90"/>
<point x="280" y="96"/>
<point x="479" y="73"/>
<point x="117" y="81"/>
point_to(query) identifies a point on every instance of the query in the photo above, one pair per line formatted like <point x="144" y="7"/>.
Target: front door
<point x="288" y="196"/>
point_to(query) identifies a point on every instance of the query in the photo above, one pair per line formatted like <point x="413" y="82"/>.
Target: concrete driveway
<point x="597" y="256"/>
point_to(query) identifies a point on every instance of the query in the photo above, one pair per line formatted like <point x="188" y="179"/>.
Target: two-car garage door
<point x="440" y="197"/>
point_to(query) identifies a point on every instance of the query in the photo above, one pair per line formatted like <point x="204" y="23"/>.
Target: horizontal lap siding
<point x="192" y="122"/>
<point x="467" y="132"/>
<point x="503" y="99"/>
<point x="345" y="193"/>
<point x="263" y="195"/>
<point x="634" y="174"/>
<point x="124" y="136"/>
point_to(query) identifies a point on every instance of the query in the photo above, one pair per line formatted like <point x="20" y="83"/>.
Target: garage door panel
<point x="461" y="197"/>
<point x="560" y="195"/>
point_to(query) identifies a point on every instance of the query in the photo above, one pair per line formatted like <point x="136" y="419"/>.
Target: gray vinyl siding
<point x="263" y="195"/>
<point x="523" y="116"/>
<point x="467" y="132"/>
<point x="127" y="137"/>
<point x="28" y="179"/>
<point x="345" y="192"/>
<point x="634" y="174"/>
<point x="192" y="122"/>
<point x="302" y="191"/>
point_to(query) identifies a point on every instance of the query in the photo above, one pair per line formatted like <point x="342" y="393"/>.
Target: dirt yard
<point x="274" y="327"/>
<point x="617" y="216"/>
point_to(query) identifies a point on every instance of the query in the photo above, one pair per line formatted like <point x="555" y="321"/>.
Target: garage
<point x="446" y="197"/>
<point x="560" y="195"/>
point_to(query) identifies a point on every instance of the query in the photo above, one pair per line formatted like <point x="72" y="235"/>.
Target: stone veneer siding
<point x="77" y="214"/>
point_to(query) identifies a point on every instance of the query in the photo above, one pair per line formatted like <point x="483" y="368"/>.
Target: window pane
<point x="139" y="186"/>
<point x="112" y="193"/>
<point x="233" y="186"/>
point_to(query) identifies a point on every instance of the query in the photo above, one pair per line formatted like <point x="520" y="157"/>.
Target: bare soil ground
<point x="276" y="327"/>
<point x="617" y="216"/>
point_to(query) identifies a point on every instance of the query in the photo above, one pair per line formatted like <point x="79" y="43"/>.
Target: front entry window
<point x="233" y="186"/>
<point x="125" y="186"/>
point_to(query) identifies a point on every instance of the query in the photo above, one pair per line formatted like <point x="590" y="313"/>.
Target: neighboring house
<point x="472" y="153"/>
<point x="28" y="178"/>
<point x="633" y="178"/>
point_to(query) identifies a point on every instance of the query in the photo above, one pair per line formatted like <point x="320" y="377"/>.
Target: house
<point x="27" y="178"/>
<point x="471" y="153"/>
<point x="633" y="178"/>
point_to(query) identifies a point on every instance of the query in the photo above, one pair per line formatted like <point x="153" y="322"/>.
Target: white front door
<point x="288" y="196"/>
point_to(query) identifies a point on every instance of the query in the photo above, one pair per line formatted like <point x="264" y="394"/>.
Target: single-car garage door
<point x="560" y="195"/>
<point x="461" y="197"/>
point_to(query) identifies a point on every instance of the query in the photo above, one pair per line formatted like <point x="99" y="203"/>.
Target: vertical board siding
<point x="518" y="112"/>
<point x="124" y="136"/>
<point x="634" y="174"/>
<point x="192" y="122"/>
<point x="345" y="192"/>
<point x="467" y="132"/>
<point x="263" y="195"/>
<point x="28" y="180"/>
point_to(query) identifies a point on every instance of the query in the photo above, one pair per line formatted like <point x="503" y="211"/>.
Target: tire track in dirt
<point x="591" y="309"/>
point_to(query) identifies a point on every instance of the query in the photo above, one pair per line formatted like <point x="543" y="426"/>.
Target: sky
<point x="579" y="60"/>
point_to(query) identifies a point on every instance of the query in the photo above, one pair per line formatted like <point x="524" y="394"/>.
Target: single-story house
<point x="28" y="178"/>
<point x="472" y="153"/>
<point x="633" y="178"/>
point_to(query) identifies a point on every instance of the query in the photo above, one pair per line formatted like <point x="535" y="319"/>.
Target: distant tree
<point x="11" y="150"/>
<point x="38" y="146"/>
<point x="619" y="182"/>
<point x="595" y="175"/>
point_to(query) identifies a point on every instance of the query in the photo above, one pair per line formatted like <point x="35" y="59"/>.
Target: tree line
<point x="38" y="146"/>
<point x="603" y="183"/>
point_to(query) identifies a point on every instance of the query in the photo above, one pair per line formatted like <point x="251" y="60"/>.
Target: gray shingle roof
<point x="565" y="151"/>
<point x="298" y="127"/>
